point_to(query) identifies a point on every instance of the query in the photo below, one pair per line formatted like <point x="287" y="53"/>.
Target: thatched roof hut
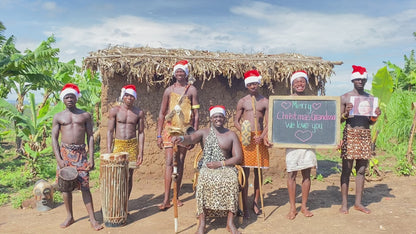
<point x="218" y="75"/>
<point x="153" y="66"/>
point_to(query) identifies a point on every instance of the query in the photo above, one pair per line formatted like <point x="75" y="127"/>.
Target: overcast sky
<point x="361" y="32"/>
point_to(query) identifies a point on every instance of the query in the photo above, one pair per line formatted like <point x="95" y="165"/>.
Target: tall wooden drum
<point x="114" y="176"/>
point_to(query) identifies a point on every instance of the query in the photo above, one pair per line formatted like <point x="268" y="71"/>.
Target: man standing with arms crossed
<point x="74" y="124"/>
<point x="356" y="142"/>
<point x="246" y="113"/>
<point x="127" y="121"/>
<point x="178" y="111"/>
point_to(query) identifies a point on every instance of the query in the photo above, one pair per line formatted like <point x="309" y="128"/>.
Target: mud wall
<point x="213" y="92"/>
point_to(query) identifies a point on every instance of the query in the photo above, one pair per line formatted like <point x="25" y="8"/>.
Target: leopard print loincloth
<point x="217" y="189"/>
<point x="356" y="144"/>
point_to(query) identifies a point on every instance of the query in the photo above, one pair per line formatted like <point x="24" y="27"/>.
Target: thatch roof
<point x="155" y="65"/>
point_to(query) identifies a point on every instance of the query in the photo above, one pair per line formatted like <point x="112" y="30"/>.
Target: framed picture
<point x="364" y="106"/>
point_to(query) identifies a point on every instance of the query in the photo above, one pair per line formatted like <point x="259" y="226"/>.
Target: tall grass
<point x="396" y="124"/>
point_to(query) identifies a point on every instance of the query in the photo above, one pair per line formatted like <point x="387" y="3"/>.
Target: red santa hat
<point x="252" y="76"/>
<point x="68" y="89"/>
<point x="129" y="89"/>
<point x="183" y="64"/>
<point x="216" y="110"/>
<point x="359" y="72"/>
<point x="298" y="74"/>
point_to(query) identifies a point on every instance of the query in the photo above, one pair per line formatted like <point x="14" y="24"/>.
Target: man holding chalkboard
<point x="252" y="111"/>
<point x="356" y="142"/>
<point x="299" y="159"/>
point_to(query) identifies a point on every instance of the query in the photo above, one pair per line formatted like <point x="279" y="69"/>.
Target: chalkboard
<point x="304" y="121"/>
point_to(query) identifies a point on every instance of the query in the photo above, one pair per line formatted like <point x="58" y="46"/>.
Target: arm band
<point x="159" y="136"/>
<point x="374" y="119"/>
<point x="343" y="116"/>
<point x="223" y="163"/>
<point x="195" y="106"/>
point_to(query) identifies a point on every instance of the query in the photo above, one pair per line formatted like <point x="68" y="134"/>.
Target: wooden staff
<point x="258" y="157"/>
<point x="175" y="188"/>
<point x="242" y="182"/>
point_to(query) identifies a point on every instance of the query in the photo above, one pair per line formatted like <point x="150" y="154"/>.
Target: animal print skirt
<point x="356" y="144"/>
<point x="217" y="189"/>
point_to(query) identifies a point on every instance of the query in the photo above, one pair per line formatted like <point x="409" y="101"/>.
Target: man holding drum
<point x="74" y="124"/>
<point x="127" y="121"/>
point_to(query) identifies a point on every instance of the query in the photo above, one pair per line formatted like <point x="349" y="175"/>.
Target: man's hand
<point x="160" y="142"/>
<point x="139" y="159"/>
<point x="267" y="142"/>
<point x="257" y="139"/>
<point x="348" y="108"/>
<point x="90" y="165"/>
<point x="177" y="139"/>
<point x="214" y="165"/>
<point x="62" y="164"/>
<point x="377" y="111"/>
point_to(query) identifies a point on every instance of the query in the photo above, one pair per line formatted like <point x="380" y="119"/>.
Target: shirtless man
<point x="127" y="121"/>
<point x="299" y="159"/>
<point x="356" y="143"/>
<point x="245" y="112"/>
<point x="178" y="111"/>
<point x="217" y="188"/>
<point x="74" y="124"/>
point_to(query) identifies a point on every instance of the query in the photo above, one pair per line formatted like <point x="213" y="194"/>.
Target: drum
<point x="67" y="179"/>
<point x="114" y="176"/>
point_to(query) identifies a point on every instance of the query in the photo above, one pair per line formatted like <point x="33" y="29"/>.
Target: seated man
<point x="217" y="188"/>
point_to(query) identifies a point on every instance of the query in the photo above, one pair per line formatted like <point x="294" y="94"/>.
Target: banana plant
<point x="34" y="129"/>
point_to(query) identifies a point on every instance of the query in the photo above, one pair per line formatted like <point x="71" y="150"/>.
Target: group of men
<point x="177" y="132"/>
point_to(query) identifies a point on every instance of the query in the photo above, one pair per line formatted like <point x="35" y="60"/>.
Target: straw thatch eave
<point x="155" y="65"/>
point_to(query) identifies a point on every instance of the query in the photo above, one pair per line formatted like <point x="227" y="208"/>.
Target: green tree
<point x="404" y="78"/>
<point x="34" y="129"/>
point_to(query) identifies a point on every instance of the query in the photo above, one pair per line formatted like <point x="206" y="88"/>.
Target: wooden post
<point x="409" y="154"/>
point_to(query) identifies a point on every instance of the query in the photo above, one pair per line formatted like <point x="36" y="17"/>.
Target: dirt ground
<point x="391" y="201"/>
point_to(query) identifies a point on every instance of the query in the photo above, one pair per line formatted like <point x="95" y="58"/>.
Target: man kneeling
<point x="217" y="188"/>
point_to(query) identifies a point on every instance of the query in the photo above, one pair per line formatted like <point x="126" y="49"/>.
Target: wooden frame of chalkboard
<point x="307" y="122"/>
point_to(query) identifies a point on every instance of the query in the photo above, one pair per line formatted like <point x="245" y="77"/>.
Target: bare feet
<point x="362" y="209"/>
<point x="164" y="206"/>
<point x="180" y="203"/>
<point x="96" y="226"/>
<point x="256" y="209"/>
<point x="67" y="223"/>
<point x="292" y="214"/>
<point x="306" y="212"/>
<point x="233" y="229"/>
<point x="343" y="210"/>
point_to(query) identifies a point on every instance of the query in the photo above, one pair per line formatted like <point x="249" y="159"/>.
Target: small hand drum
<point x="67" y="179"/>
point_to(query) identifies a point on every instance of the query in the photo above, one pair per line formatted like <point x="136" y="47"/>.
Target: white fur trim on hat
<point x="357" y="75"/>
<point x="128" y="91"/>
<point x="69" y="91"/>
<point x="216" y="110"/>
<point x="298" y="74"/>
<point x="252" y="79"/>
<point x="183" y="67"/>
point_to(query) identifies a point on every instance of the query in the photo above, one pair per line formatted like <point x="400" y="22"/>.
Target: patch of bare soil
<point x="391" y="201"/>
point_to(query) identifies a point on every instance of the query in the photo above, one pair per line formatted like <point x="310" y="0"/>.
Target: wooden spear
<point x="259" y="172"/>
